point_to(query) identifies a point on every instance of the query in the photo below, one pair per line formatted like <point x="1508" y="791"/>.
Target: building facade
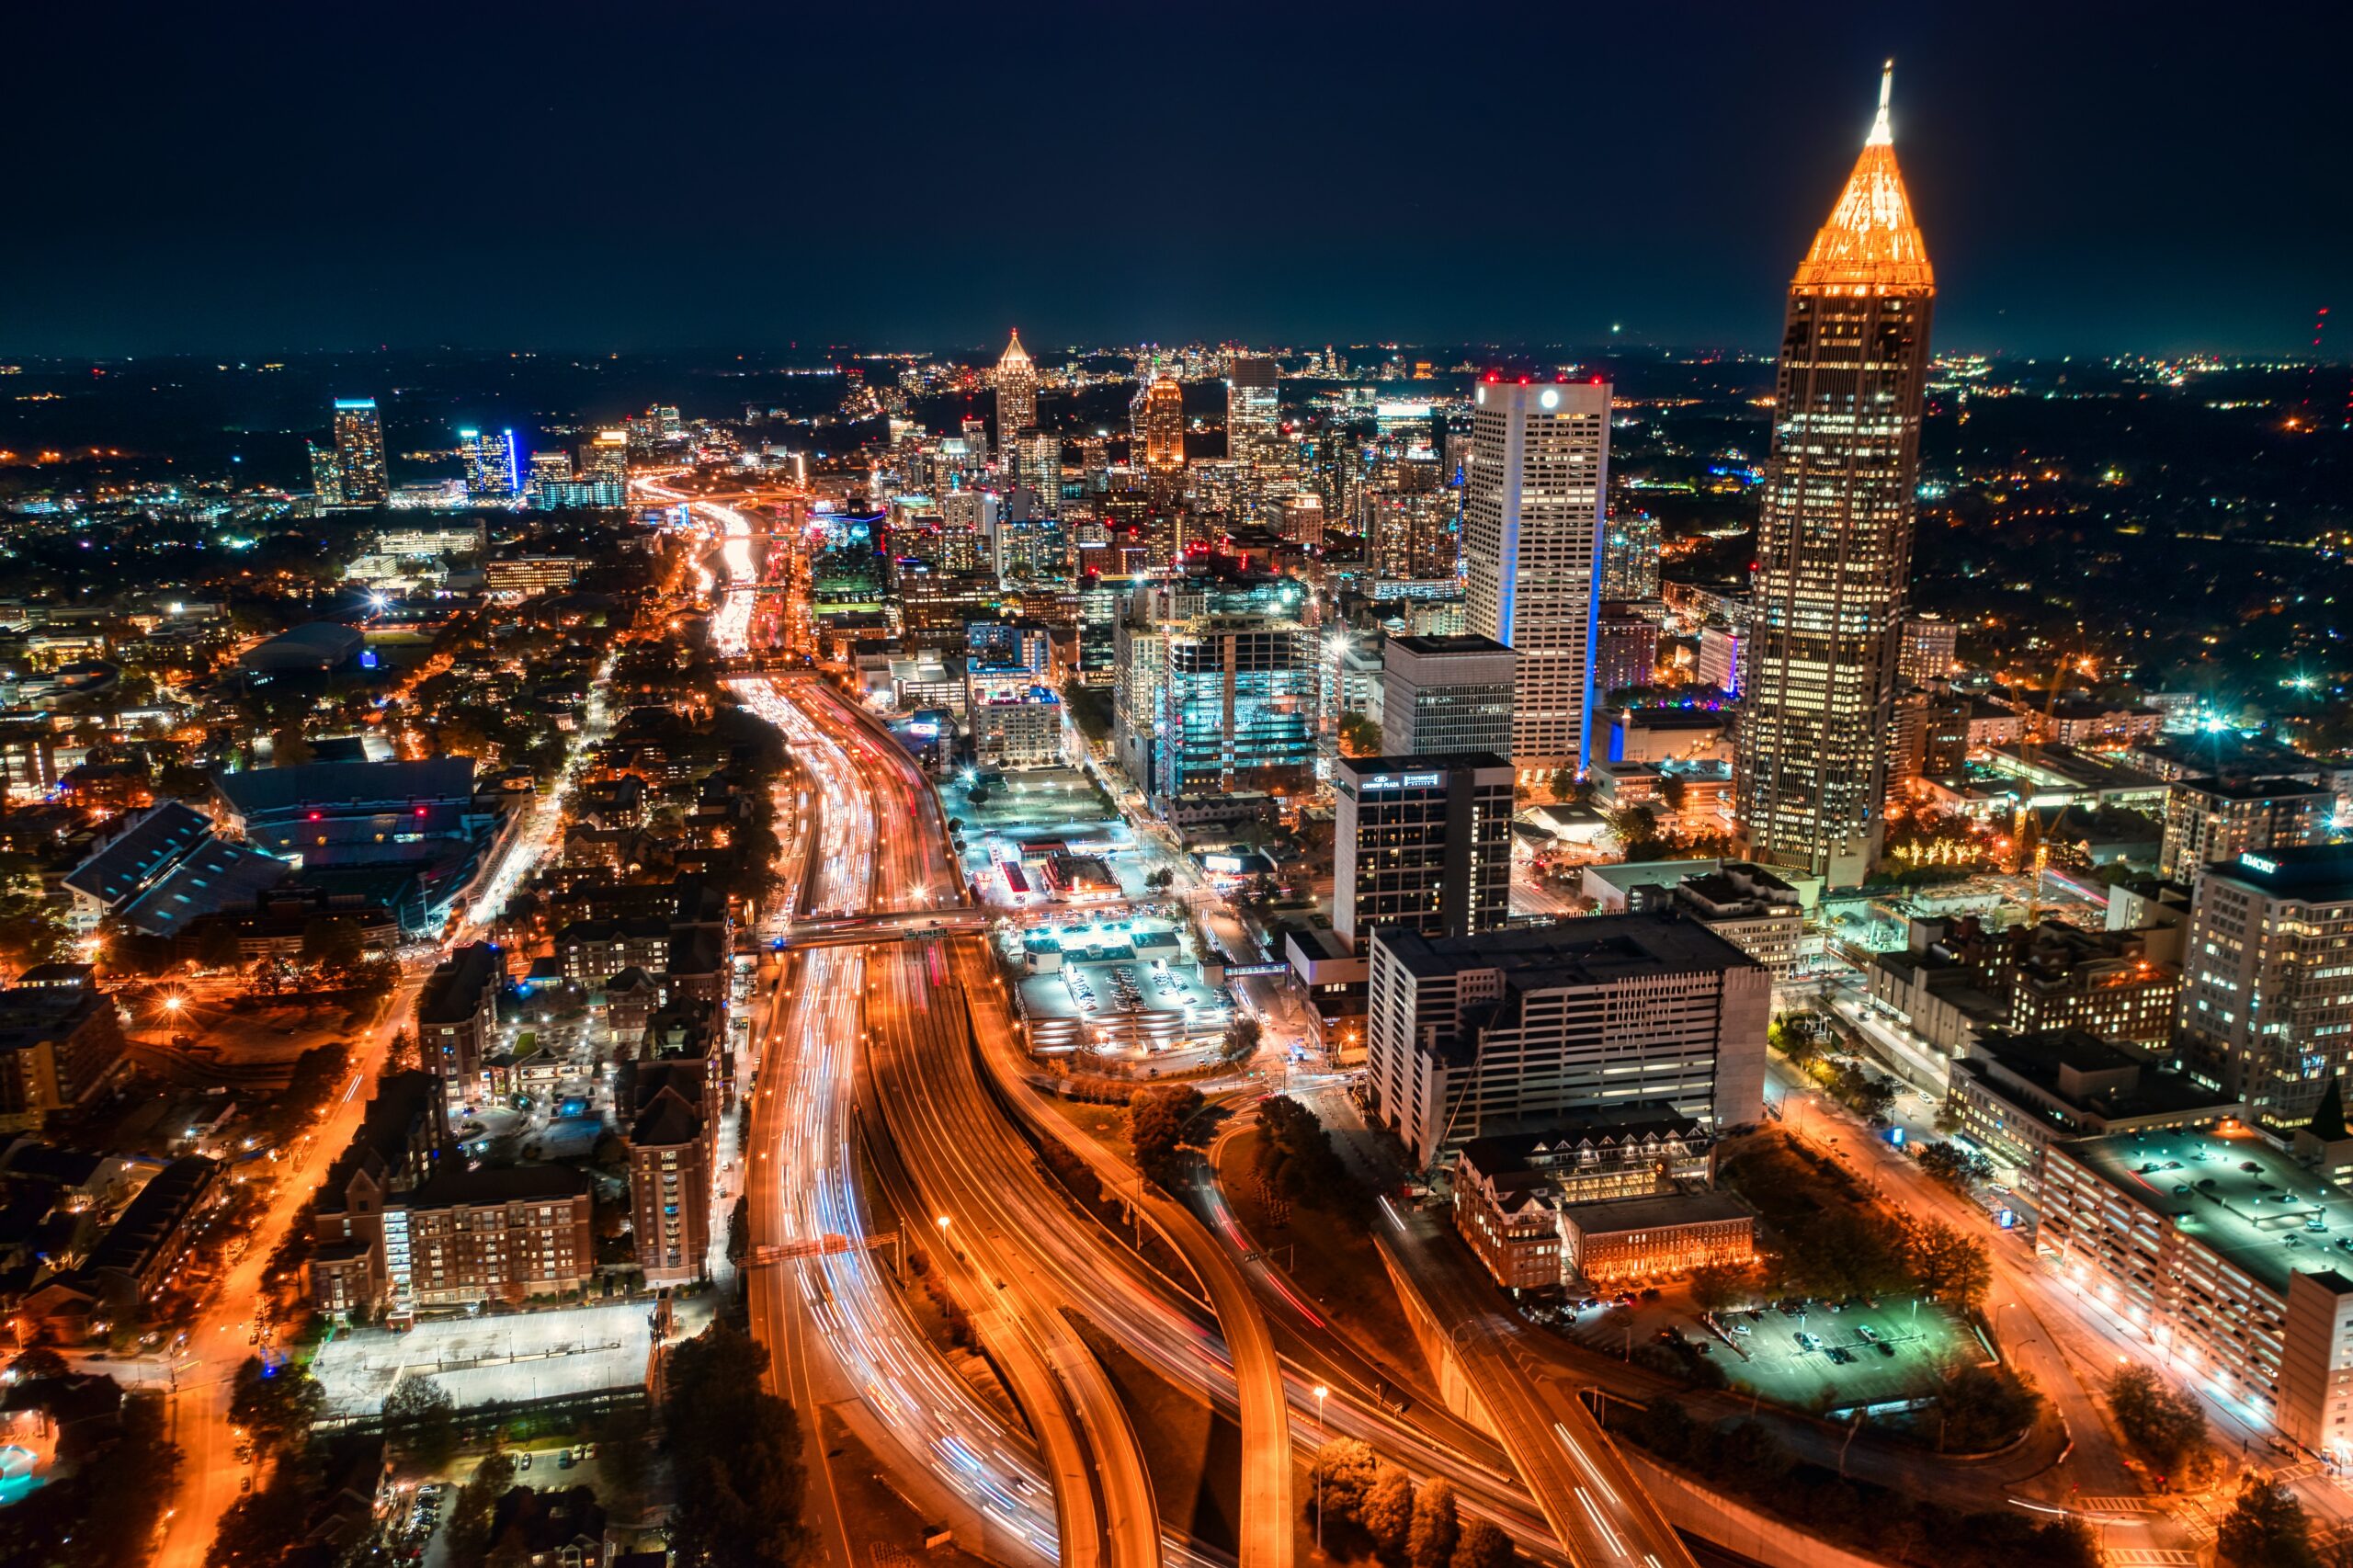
<point x="361" y="478"/>
<point x="2267" y="994"/>
<point x="1447" y="694"/>
<point x="1491" y="1033"/>
<point x="1422" y="843"/>
<point x="2219" y="819"/>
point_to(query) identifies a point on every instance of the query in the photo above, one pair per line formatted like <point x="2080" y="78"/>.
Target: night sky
<point x="247" y="177"/>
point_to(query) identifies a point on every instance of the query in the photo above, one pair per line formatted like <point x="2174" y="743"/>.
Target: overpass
<point x="855" y="930"/>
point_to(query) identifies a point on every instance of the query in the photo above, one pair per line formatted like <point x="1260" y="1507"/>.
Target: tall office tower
<point x="1532" y="539"/>
<point x="1446" y="694"/>
<point x="1038" y="465"/>
<point x="1625" y="649"/>
<point x="1017" y="394"/>
<point x="326" y="476"/>
<point x="1215" y="688"/>
<point x="1630" y="558"/>
<point x="2266" y="992"/>
<point x="1421" y="844"/>
<point x="977" y="441"/>
<point x="1253" y="408"/>
<point x="1834" y="540"/>
<point x="608" y="456"/>
<point x="1930" y="645"/>
<point x="359" y="452"/>
<point x="549" y="469"/>
<point x="1157" y="416"/>
<point x="492" y="468"/>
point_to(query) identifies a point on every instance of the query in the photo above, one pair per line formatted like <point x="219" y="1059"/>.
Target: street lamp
<point x="1320" y="1391"/>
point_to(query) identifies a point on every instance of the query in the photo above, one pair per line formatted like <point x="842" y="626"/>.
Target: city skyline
<point x="2047" y="169"/>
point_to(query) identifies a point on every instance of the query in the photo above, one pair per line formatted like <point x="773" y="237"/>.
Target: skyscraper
<point x="1537" y="477"/>
<point x="359" y="452"/>
<point x="1834" y="540"/>
<point x="1158" y="420"/>
<point x="1253" y="404"/>
<point x="493" y="469"/>
<point x="1016" y="393"/>
<point x="1629" y="560"/>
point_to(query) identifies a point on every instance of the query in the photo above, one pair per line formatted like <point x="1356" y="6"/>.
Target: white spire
<point x="1881" y="136"/>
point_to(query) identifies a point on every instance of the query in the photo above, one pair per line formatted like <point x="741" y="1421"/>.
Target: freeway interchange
<point x="891" y="1095"/>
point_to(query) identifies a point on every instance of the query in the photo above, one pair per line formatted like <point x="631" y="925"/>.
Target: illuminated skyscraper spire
<point x="1834" y="539"/>
<point x="1871" y="241"/>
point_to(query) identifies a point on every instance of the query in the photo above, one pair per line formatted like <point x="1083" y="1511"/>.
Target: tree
<point x="2166" y="1429"/>
<point x="40" y="1361"/>
<point x="1360" y="736"/>
<point x="1951" y="1266"/>
<point x="1953" y="1165"/>
<point x="1342" y="1474"/>
<point x="1565" y="783"/>
<point x="1437" y="1528"/>
<point x="1389" y="1513"/>
<point x="467" y="1535"/>
<point x="739" y="1231"/>
<point x="736" y="1452"/>
<point x="1156" y="1119"/>
<point x="277" y="1404"/>
<point x="2265" y="1528"/>
<point x="332" y="942"/>
<point x="623" y="1454"/>
<point x="1721" y="1285"/>
<point x="217" y="945"/>
<point x="421" y="1420"/>
<point x="1296" y="1159"/>
<point x="1484" y="1545"/>
<point x="1985" y="1407"/>
<point x="1241" y="1037"/>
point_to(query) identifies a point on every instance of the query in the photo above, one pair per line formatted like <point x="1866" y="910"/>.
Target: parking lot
<point x="507" y="1359"/>
<point x="1821" y="1359"/>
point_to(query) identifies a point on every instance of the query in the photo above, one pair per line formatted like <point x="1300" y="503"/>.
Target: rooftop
<point x="1610" y="1215"/>
<point x="1600" y="950"/>
<point x="1464" y="645"/>
<point x="352" y="783"/>
<point x="2235" y="1194"/>
<point x="2317" y="874"/>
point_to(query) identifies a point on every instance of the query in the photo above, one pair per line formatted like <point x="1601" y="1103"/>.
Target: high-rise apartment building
<point x="327" y="475"/>
<point x="1447" y="694"/>
<point x="2267" y="992"/>
<point x="1157" y="423"/>
<point x="2218" y="819"/>
<point x="1538" y="479"/>
<point x="1630" y="557"/>
<point x="1835" y="538"/>
<point x="1717" y="662"/>
<point x="359" y="452"/>
<point x="1253" y="407"/>
<point x="1625" y="649"/>
<point x="550" y="469"/>
<point x="607" y="457"/>
<point x="493" y="467"/>
<point x="1421" y="844"/>
<point x="1930" y="649"/>
<point x="1038" y="465"/>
